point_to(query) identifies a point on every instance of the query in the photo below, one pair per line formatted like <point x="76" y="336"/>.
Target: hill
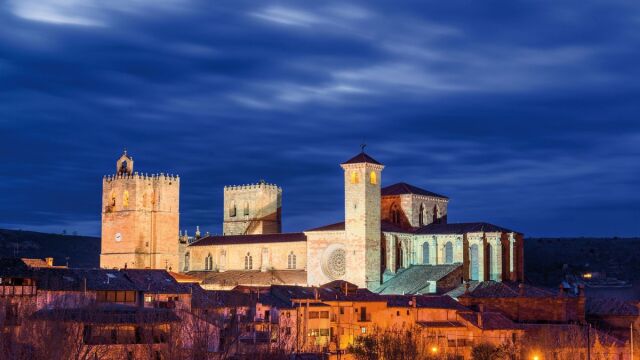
<point x="78" y="251"/>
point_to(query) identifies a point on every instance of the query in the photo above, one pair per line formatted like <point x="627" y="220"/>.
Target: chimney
<point x="315" y="293"/>
<point x="466" y="288"/>
<point x="581" y="290"/>
<point x="561" y="291"/>
<point x="414" y="301"/>
<point x="49" y="261"/>
<point x="521" y="289"/>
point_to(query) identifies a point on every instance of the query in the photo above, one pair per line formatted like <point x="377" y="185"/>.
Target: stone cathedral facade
<point x="394" y="239"/>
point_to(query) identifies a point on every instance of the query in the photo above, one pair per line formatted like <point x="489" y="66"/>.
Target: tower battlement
<point x="142" y="176"/>
<point x="259" y="185"/>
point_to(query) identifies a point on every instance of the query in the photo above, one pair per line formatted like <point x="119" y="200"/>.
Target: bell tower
<point x="140" y="219"/>
<point x="362" y="179"/>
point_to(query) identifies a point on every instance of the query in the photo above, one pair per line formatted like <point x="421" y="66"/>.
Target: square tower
<point x="252" y="209"/>
<point x="362" y="179"/>
<point x="140" y="219"/>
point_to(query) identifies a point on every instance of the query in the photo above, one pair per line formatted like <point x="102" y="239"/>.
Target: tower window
<point x="232" y="210"/>
<point x="354" y="177"/>
<point x="186" y="261"/>
<point x="246" y="209"/>
<point x="125" y="199"/>
<point x="113" y="199"/>
<point x="395" y="214"/>
<point x="291" y="261"/>
<point x="248" y="262"/>
<point x="421" y="215"/>
<point x="373" y="178"/>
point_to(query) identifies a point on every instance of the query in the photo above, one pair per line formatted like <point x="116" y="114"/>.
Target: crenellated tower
<point x="140" y="219"/>
<point x="252" y="209"/>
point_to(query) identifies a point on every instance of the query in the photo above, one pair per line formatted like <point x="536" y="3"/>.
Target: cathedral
<point x="394" y="239"/>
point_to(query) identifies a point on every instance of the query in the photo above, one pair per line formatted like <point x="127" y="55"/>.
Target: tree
<point x="483" y="351"/>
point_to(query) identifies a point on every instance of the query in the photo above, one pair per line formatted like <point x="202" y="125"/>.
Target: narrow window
<point x="186" y="262"/>
<point x="291" y="261"/>
<point x="248" y="262"/>
<point x="246" y="209"/>
<point x="208" y="262"/>
<point x="473" y="253"/>
<point x="125" y="199"/>
<point x="232" y="210"/>
<point x="425" y="253"/>
<point x="448" y="252"/>
<point x="421" y="215"/>
<point x="373" y="178"/>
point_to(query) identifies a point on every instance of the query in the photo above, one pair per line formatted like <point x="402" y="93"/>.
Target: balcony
<point x="17" y="290"/>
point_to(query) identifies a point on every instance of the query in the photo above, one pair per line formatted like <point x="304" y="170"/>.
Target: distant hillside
<point x="546" y="257"/>
<point x="82" y="251"/>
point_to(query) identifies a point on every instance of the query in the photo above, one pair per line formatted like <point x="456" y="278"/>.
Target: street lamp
<point x="434" y="349"/>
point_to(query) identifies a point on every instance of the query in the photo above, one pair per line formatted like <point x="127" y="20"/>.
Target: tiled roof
<point x="611" y="307"/>
<point x="109" y="314"/>
<point x="232" y="278"/>
<point x="249" y="239"/>
<point x="184" y="278"/>
<point x="577" y="332"/>
<point x="287" y="293"/>
<point x="155" y="281"/>
<point x="506" y="289"/>
<point x="490" y="320"/>
<point x="385" y="226"/>
<point x="404" y="188"/>
<point x="362" y="158"/>
<point x="219" y="298"/>
<point x="415" y="279"/>
<point x="56" y="279"/>
<point x="424" y="301"/>
<point x="460" y="228"/>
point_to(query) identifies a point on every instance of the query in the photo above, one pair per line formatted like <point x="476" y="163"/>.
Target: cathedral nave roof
<point x="385" y="226"/>
<point x="249" y="239"/>
<point x="460" y="228"/>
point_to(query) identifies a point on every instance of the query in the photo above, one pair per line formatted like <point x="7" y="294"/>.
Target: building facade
<point x="386" y="230"/>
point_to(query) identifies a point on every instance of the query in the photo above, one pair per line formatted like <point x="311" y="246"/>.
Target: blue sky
<point x="524" y="113"/>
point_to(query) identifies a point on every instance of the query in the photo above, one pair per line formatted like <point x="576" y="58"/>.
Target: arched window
<point x="291" y="261"/>
<point x="473" y="253"/>
<point x="373" y="178"/>
<point x="208" y="262"/>
<point x="246" y="208"/>
<point x="113" y="199"/>
<point x="421" y="215"/>
<point x="425" y="253"/>
<point x="488" y="259"/>
<point x="125" y="199"/>
<point x="186" y="261"/>
<point x="399" y="257"/>
<point x="248" y="262"/>
<point x="395" y="214"/>
<point x="448" y="252"/>
<point x="232" y="210"/>
<point x="354" y="177"/>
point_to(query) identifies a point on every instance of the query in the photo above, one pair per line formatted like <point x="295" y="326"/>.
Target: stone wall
<point x="264" y="256"/>
<point x="560" y="309"/>
<point x="140" y="221"/>
<point x="410" y="205"/>
<point x="252" y="209"/>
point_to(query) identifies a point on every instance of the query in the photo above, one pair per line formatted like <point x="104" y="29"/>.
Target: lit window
<point x="354" y="177"/>
<point x="364" y="330"/>
<point x="373" y="178"/>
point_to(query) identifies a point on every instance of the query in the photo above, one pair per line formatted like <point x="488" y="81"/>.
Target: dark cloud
<point x="525" y="114"/>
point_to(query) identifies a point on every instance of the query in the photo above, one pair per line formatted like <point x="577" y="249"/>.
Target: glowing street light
<point x="434" y="350"/>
